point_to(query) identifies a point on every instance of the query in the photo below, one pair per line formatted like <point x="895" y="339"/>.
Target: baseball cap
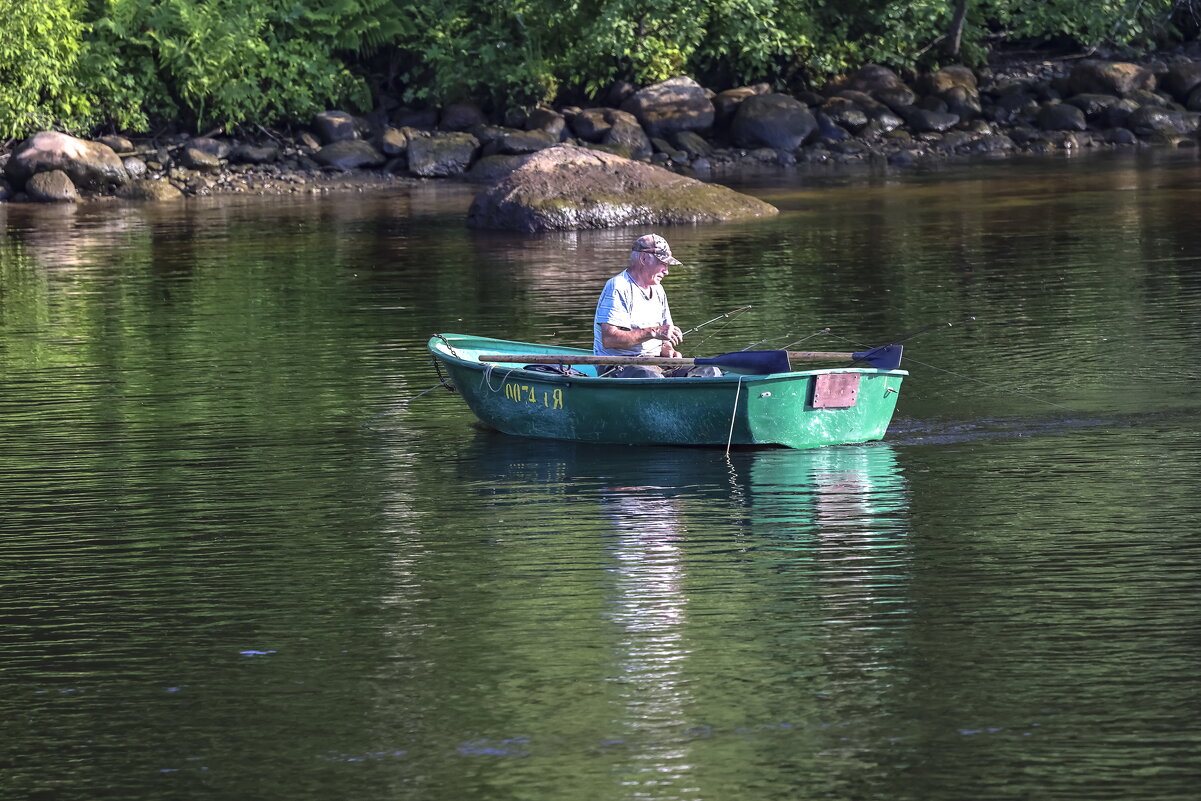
<point x="657" y="245"/>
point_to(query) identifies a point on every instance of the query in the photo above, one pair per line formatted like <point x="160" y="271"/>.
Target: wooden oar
<point x="761" y="362"/>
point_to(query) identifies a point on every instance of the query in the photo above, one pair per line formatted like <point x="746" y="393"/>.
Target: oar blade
<point x="884" y="357"/>
<point x="755" y="362"/>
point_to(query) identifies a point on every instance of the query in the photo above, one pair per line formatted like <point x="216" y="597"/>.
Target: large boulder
<point x="255" y="154"/>
<point x="441" y="155"/>
<point x="925" y="121"/>
<point x="568" y="187"/>
<point x="488" y="169"/>
<point x="1158" y="121"/>
<point x="772" y="120"/>
<point x="515" y="143"/>
<point x="592" y="124"/>
<point x="155" y="190"/>
<point x="627" y="138"/>
<point x="1182" y="78"/>
<point x="1109" y="78"/>
<point x="882" y="84"/>
<point x="726" y="103"/>
<point x="90" y="165"/>
<point x="349" y="154"/>
<point x="677" y="104"/>
<point x="1061" y="117"/>
<point x="547" y="120"/>
<point x="52" y="186"/>
<point x="335" y="126"/>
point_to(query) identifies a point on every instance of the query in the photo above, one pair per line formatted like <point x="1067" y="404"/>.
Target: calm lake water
<point x="234" y="564"/>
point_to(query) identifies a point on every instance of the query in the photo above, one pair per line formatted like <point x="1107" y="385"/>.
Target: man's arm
<point x="615" y="338"/>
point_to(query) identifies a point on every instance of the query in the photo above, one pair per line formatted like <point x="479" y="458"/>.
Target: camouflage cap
<point x="656" y="246"/>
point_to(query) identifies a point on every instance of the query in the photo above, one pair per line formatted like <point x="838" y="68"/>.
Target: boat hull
<point x="777" y="409"/>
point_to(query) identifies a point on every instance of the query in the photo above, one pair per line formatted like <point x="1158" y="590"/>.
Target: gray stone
<point x="941" y="81"/>
<point x="51" y="186"/>
<point x="693" y="144"/>
<point x="677" y="104"/>
<point x="619" y="92"/>
<point x="1181" y="78"/>
<point x="156" y="190"/>
<point x="255" y="154"/>
<point x="1149" y="121"/>
<point x="335" y="126"/>
<point x="772" y="120"/>
<point x="1094" y="106"/>
<point x="489" y="169"/>
<point x="350" y="154"/>
<point x="519" y="142"/>
<point x="846" y="113"/>
<point x="307" y="140"/>
<point x="592" y="124"/>
<point x="393" y="142"/>
<point x="119" y="144"/>
<point x="134" y="166"/>
<point x="898" y="99"/>
<point x="727" y="102"/>
<point x="1061" y="117"/>
<point x="883" y="85"/>
<point x="196" y="159"/>
<point x="1109" y="77"/>
<point x="214" y="147"/>
<point x="629" y="137"/>
<point x="90" y="165"/>
<point x="961" y="102"/>
<point x="923" y="121"/>
<point x="548" y="121"/>
<point x="829" y="130"/>
<point x="1121" y="136"/>
<point x="441" y="155"/>
<point x="568" y="187"/>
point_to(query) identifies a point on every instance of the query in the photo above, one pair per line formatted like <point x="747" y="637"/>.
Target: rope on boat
<point x="733" y="415"/>
<point x="488" y="377"/>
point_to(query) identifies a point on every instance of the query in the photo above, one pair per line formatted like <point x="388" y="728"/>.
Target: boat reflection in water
<point x="717" y="580"/>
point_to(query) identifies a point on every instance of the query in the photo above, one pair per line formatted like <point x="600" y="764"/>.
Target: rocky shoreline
<point x="872" y="116"/>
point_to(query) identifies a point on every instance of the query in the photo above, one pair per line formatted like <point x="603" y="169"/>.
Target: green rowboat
<point x="802" y="409"/>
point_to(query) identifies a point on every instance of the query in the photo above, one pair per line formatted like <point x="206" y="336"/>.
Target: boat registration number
<point x="527" y="393"/>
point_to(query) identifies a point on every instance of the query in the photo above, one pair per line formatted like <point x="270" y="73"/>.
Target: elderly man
<point x="632" y="315"/>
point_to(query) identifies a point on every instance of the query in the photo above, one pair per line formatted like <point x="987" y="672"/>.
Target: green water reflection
<point x="232" y="562"/>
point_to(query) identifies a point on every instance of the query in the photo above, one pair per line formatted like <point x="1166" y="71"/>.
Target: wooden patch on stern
<point x="836" y="390"/>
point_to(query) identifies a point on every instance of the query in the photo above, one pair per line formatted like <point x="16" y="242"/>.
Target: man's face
<point x="655" y="270"/>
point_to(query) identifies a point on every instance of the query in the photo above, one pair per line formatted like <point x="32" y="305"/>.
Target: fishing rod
<point x="931" y="327"/>
<point x="803" y="339"/>
<point x="739" y="310"/>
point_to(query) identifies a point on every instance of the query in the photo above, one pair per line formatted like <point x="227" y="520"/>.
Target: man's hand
<point x="669" y="334"/>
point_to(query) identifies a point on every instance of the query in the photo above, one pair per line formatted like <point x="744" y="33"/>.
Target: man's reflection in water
<point x="650" y="607"/>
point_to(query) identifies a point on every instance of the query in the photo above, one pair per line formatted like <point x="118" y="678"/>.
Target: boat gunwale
<point x="438" y="343"/>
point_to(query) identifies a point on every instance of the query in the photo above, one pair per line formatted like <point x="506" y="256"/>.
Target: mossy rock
<point x="567" y="188"/>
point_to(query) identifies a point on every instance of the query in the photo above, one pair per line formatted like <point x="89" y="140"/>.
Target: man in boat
<point x="633" y="318"/>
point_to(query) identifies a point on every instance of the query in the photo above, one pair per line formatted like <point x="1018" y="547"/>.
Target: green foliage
<point x="75" y="64"/>
<point x="40" y="42"/>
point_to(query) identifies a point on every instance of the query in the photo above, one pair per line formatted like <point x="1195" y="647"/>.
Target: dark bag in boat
<point x="557" y="369"/>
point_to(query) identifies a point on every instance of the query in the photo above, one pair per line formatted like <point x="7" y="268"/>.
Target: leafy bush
<point x="40" y="42"/>
<point x="75" y="64"/>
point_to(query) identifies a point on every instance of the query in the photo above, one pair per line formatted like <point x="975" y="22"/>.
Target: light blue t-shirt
<point x="626" y="305"/>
